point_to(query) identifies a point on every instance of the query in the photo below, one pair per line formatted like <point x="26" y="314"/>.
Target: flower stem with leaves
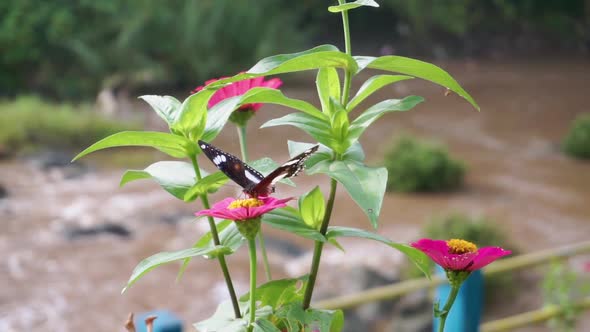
<point x="318" y="248"/>
<point x="253" y="266"/>
<point x="215" y="236"/>
<point x="242" y="135"/>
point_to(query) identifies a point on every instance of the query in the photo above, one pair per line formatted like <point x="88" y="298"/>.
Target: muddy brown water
<point x="517" y="177"/>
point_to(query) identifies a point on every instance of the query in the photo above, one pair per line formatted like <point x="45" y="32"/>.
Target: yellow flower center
<point x="249" y="202"/>
<point x="459" y="247"/>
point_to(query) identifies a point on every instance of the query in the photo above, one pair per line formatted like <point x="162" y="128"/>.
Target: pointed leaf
<point x="312" y="208"/>
<point x="173" y="145"/>
<point x="167" y="107"/>
<point x="223" y="320"/>
<point x="218" y="116"/>
<point x="339" y="128"/>
<point x="316" y="128"/>
<point x="352" y="5"/>
<point x="229" y="236"/>
<point x="324" y="154"/>
<point x="274" y="96"/>
<point x="192" y="117"/>
<point x="366" y="185"/>
<point x="372" y="85"/>
<point x="167" y="257"/>
<point x="176" y="177"/>
<point x="328" y="86"/>
<point x="415" y="68"/>
<point x="416" y="256"/>
<point x="317" y="57"/>
<point x="363" y="121"/>
<point x="207" y="185"/>
<point x="288" y="219"/>
<point x="277" y="293"/>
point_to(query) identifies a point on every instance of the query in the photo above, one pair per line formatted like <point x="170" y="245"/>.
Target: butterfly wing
<point x="289" y="169"/>
<point x="240" y="172"/>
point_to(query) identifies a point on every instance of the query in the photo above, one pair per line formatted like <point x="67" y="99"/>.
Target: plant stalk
<point x="317" y="251"/>
<point x="244" y="151"/>
<point x="215" y="236"/>
<point x="347" y="47"/>
<point x="445" y="311"/>
<point x="252" y="250"/>
<point x="319" y="246"/>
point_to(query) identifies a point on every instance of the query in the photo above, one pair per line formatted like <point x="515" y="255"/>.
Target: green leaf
<point x="324" y="154"/>
<point x="277" y="293"/>
<point x="218" y="116"/>
<point x="167" y="107"/>
<point x="229" y="236"/>
<point x="316" y="128"/>
<point x="416" y="256"/>
<point x="371" y="86"/>
<point x="167" y="257"/>
<point x="207" y="185"/>
<point x="352" y="5"/>
<point x="324" y="320"/>
<point x="223" y="320"/>
<point x="366" y="185"/>
<point x="288" y="219"/>
<point x="173" y="145"/>
<point x="312" y="208"/>
<point x="264" y="325"/>
<point x="193" y="115"/>
<point x="417" y="68"/>
<point x="328" y="86"/>
<point x="363" y="121"/>
<point x="340" y="127"/>
<point x="176" y="177"/>
<point x="274" y="96"/>
<point x="317" y="57"/>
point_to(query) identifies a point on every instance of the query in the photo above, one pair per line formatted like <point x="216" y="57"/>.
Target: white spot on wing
<point x="203" y="146"/>
<point x="251" y="176"/>
<point x="291" y="162"/>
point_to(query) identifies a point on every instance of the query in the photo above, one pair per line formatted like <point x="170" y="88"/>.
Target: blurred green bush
<point x="28" y="123"/>
<point x="577" y="140"/>
<point x="71" y="49"/>
<point x="416" y="166"/>
<point x="480" y="231"/>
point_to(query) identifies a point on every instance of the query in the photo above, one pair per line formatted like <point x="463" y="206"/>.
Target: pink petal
<point x="459" y="262"/>
<point x="486" y="256"/>
<point x="435" y="249"/>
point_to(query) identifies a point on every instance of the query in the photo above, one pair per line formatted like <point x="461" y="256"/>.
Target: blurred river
<point x="517" y="177"/>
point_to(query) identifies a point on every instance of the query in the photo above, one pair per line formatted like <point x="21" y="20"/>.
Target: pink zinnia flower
<point x="238" y="89"/>
<point x="245" y="212"/>
<point x="243" y="209"/>
<point x="459" y="255"/>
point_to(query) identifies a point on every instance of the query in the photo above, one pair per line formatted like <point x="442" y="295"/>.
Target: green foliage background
<point x="416" y="166"/>
<point x="577" y="141"/>
<point x="70" y="49"/>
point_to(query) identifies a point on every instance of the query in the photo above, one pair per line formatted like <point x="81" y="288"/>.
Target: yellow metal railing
<point x="504" y="265"/>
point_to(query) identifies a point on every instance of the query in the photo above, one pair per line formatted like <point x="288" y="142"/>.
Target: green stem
<point x="348" y="50"/>
<point x="252" y="250"/>
<point x="244" y="151"/>
<point x="445" y="311"/>
<point x="243" y="145"/>
<point x="319" y="246"/>
<point x="317" y="251"/>
<point x="215" y="236"/>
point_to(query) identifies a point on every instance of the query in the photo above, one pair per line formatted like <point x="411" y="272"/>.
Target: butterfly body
<point x="254" y="183"/>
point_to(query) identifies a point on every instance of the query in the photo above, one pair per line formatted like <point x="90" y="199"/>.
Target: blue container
<point x="166" y="321"/>
<point x="465" y="315"/>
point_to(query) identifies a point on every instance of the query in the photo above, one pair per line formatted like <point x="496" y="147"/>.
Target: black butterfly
<point x="254" y="183"/>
